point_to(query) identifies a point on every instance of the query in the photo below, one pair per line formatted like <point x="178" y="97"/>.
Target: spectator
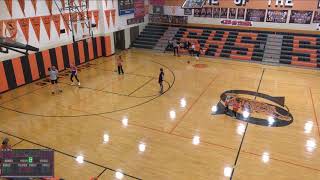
<point x="175" y="47"/>
<point x="5" y="144"/>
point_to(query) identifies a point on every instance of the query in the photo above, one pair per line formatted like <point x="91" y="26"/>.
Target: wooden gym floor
<point x="109" y="116"/>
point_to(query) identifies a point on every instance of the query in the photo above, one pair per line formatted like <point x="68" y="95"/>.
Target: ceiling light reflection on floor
<point x="227" y="171"/>
<point x="196" y="140"/>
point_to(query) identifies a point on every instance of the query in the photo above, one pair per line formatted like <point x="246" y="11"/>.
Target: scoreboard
<point x="20" y="163"/>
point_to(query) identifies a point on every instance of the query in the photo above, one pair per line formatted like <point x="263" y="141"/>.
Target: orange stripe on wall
<point x="90" y="47"/>
<point x="59" y="58"/>
<point x="81" y="52"/>
<point x="71" y="54"/>
<point x="18" y="71"/>
<point x="3" y="79"/>
<point x="46" y="60"/>
<point x="98" y="39"/>
<point x="108" y="45"/>
<point x="33" y="66"/>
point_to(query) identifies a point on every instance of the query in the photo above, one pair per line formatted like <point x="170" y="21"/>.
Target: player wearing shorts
<point x="74" y="73"/>
<point x="53" y="75"/>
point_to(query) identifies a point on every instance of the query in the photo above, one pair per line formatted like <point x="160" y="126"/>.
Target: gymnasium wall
<point x="104" y="8"/>
<point x="173" y="7"/>
<point x="26" y="69"/>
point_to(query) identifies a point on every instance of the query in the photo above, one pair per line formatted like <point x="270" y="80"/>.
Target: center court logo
<point x="264" y="110"/>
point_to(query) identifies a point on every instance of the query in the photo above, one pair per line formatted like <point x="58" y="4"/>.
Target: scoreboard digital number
<point x="19" y="163"/>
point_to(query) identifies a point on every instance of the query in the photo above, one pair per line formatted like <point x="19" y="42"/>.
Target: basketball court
<point x="241" y="101"/>
<point x="109" y="117"/>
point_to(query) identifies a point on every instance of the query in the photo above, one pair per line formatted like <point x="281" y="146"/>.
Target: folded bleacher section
<point x="263" y="46"/>
<point x="150" y="36"/>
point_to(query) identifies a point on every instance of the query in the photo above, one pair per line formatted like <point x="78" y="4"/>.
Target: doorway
<point x="119" y="40"/>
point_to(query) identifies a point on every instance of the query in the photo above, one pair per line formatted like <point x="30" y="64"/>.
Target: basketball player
<point x="53" y="75"/>
<point x="119" y="63"/>
<point x="74" y="73"/>
<point x="5" y="144"/>
<point x="161" y="78"/>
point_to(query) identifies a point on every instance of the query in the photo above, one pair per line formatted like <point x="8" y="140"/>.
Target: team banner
<point x="22" y="6"/>
<point x="188" y="11"/>
<point x="113" y="15"/>
<point x="277" y="16"/>
<point x="224" y="13"/>
<point x="56" y="21"/>
<point x="47" y="24"/>
<point x="193" y="3"/>
<point x="24" y="25"/>
<point x="49" y="5"/>
<point x="241" y="13"/>
<point x="256" y="15"/>
<point x="34" y="4"/>
<point x="158" y="18"/>
<point x="35" y="22"/>
<point x="81" y="16"/>
<point x="107" y="13"/>
<point x="9" y="6"/>
<point x="11" y="28"/>
<point x="66" y="19"/>
<point x="125" y="7"/>
<point x="215" y="12"/>
<point x="232" y="13"/>
<point x="139" y="8"/>
<point x="74" y="19"/>
<point x="300" y="17"/>
<point x="96" y="17"/>
<point x="316" y="18"/>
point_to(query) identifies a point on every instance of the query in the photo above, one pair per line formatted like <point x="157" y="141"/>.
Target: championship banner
<point x="11" y="28"/>
<point x="224" y="13"/>
<point x="35" y="22"/>
<point x="66" y="19"/>
<point x="197" y="12"/>
<point x="49" y="5"/>
<point x="139" y="8"/>
<point x="241" y="13"/>
<point x="113" y="15"/>
<point x="107" y="13"/>
<point x="188" y="11"/>
<point x="125" y="7"/>
<point x="277" y="16"/>
<point x="236" y="23"/>
<point x="47" y="23"/>
<point x="56" y="21"/>
<point x="34" y="4"/>
<point x="316" y="18"/>
<point x="96" y="17"/>
<point x="22" y="6"/>
<point x="1" y="28"/>
<point x="232" y="13"/>
<point x="300" y="17"/>
<point x="193" y="4"/>
<point x="24" y="25"/>
<point x="9" y="6"/>
<point x="256" y="15"/>
<point x="215" y="12"/>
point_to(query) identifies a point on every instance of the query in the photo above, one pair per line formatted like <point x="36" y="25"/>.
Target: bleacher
<point x="150" y="36"/>
<point x="293" y="48"/>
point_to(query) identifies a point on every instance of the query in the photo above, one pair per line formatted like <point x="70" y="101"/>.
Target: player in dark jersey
<point x="161" y="78"/>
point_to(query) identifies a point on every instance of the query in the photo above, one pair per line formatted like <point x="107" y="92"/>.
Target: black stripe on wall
<point x="95" y="50"/>
<point x="65" y="56"/>
<point x="26" y="69"/>
<point x="53" y="57"/>
<point x="76" y="53"/>
<point x="86" y="51"/>
<point x="103" y="46"/>
<point x="11" y="79"/>
<point x="40" y="63"/>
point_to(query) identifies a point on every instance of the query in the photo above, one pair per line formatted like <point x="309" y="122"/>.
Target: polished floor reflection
<point x="120" y="127"/>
